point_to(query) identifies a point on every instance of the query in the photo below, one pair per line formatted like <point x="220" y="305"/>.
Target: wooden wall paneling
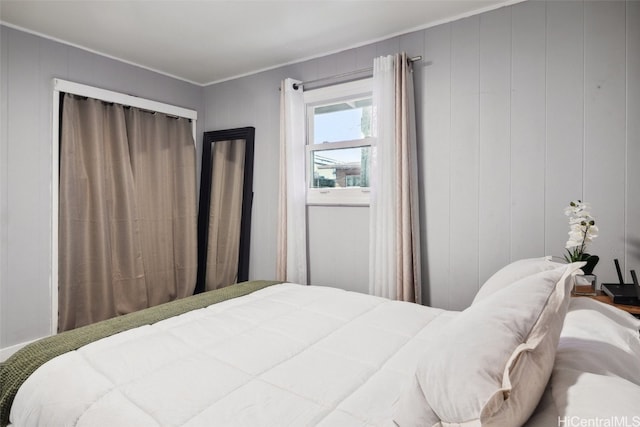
<point x="494" y="210"/>
<point x="325" y="67"/>
<point x="364" y="56"/>
<point x="81" y="65"/>
<point x="343" y="62"/>
<point x="4" y="179"/>
<point x="605" y="120"/>
<point x="339" y="255"/>
<point x="388" y="47"/>
<point x="53" y="63"/>
<point x="528" y="130"/>
<point x="307" y="70"/>
<point x="464" y="222"/>
<point x="25" y="293"/>
<point x="435" y="166"/>
<point x="263" y="220"/>
<point x="564" y="118"/>
<point x="413" y="45"/>
<point x="242" y="105"/>
<point x="632" y="215"/>
<point x="120" y="76"/>
<point x="217" y="115"/>
<point x="262" y="260"/>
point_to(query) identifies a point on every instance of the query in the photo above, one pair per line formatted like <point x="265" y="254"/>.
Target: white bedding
<point x="287" y="355"/>
<point x="291" y="355"/>
<point x="596" y="374"/>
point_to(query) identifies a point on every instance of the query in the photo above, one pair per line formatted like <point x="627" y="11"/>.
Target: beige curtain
<point x="127" y="211"/>
<point x="394" y="255"/>
<point x="225" y="213"/>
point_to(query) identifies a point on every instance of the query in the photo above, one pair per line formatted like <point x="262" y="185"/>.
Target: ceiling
<point x="208" y="41"/>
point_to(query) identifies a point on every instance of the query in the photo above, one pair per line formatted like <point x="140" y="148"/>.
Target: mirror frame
<point x="208" y="142"/>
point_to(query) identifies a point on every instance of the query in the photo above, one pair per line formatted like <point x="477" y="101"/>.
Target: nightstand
<point x="633" y="309"/>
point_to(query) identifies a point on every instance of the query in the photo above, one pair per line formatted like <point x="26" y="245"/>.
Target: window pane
<point x="342" y="168"/>
<point x="342" y="121"/>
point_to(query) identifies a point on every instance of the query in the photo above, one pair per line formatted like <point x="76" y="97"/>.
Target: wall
<point x="255" y="101"/>
<point x="28" y="65"/>
<point x="521" y="110"/>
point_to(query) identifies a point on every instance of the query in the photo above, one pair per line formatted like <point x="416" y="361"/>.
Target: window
<point x="338" y="143"/>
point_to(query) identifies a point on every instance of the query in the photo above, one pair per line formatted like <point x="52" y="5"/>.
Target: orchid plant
<point x="582" y="230"/>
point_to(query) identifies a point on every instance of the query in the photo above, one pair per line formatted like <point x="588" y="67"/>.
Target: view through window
<point x="338" y="143"/>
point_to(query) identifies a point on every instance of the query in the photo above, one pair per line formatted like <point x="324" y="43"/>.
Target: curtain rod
<point x="347" y="74"/>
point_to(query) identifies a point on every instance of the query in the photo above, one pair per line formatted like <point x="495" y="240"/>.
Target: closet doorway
<point x="123" y="202"/>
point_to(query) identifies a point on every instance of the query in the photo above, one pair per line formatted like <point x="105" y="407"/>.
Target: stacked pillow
<point x="491" y="363"/>
<point x="514" y="272"/>
<point x="597" y="368"/>
<point x="596" y="372"/>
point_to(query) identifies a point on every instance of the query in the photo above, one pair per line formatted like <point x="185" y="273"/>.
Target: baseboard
<point x="6" y="352"/>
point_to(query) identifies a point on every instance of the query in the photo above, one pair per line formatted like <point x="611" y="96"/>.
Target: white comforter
<point x="287" y="355"/>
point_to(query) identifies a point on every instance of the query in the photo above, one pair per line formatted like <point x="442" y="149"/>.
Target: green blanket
<point x="15" y="370"/>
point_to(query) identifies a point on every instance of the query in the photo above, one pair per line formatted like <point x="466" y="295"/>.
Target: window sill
<point x="338" y="197"/>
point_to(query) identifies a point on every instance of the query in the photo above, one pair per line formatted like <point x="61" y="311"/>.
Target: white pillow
<point x="491" y="363"/>
<point x="600" y="339"/>
<point x="585" y="396"/>
<point x="590" y="317"/>
<point x="412" y="410"/>
<point x="596" y="373"/>
<point x="514" y="272"/>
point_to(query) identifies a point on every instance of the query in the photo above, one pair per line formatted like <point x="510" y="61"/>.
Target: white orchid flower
<point x="582" y="229"/>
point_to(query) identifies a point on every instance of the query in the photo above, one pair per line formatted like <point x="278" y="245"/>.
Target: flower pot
<point x="592" y="261"/>
<point x="585" y="284"/>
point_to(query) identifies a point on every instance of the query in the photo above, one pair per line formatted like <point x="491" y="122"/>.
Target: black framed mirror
<point x="224" y="213"/>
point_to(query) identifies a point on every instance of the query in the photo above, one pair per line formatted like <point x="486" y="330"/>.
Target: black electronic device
<point x="620" y="292"/>
<point x="636" y="284"/>
<point x="618" y="271"/>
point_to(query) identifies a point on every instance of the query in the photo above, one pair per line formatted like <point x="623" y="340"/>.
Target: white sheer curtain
<point x="394" y="251"/>
<point x="292" y="221"/>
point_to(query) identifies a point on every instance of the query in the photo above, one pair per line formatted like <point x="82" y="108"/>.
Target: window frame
<point x="329" y="196"/>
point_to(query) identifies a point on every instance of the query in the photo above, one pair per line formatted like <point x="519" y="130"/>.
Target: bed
<point x="281" y="354"/>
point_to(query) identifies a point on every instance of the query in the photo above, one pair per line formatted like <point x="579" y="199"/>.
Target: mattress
<point x="285" y="355"/>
